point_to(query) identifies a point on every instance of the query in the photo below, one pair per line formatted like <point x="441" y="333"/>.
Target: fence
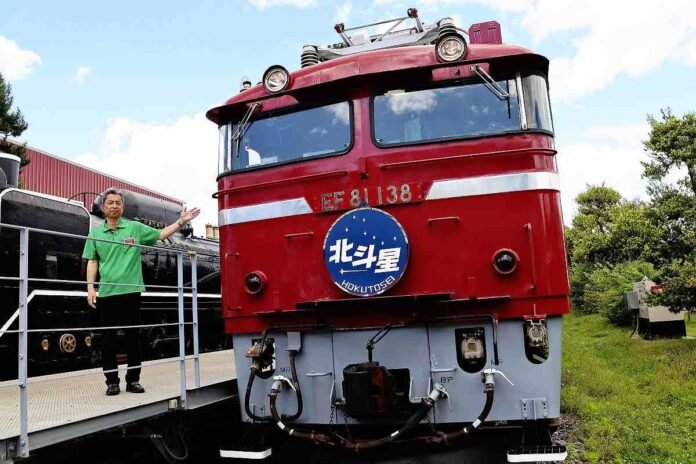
<point x="23" y="331"/>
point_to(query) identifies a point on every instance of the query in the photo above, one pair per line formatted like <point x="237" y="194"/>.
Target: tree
<point x="671" y="145"/>
<point x="607" y="231"/>
<point x="605" y="288"/>
<point x="12" y="124"/>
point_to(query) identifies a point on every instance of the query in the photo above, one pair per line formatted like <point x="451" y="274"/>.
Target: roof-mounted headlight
<point x="276" y="79"/>
<point x="245" y="84"/>
<point x="450" y="47"/>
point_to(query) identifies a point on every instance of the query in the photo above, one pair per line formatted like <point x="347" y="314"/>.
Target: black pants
<point x="120" y="310"/>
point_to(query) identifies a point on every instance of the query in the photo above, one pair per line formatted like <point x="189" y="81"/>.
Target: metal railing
<point x="23" y="331"/>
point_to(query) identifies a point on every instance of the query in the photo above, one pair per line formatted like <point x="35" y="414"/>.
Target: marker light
<point x="451" y="47"/>
<point x="276" y="79"/>
<point x="245" y="84"/>
<point x="88" y="341"/>
<point x="254" y="282"/>
<point x="505" y="261"/>
<point x="45" y="344"/>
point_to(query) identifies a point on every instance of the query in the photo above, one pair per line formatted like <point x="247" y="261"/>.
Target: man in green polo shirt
<point x="118" y="263"/>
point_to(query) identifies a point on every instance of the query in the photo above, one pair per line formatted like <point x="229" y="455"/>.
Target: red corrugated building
<point x="52" y="175"/>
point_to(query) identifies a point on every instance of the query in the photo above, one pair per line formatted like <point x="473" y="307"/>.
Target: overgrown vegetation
<point x="635" y="399"/>
<point x="614" y="242"/>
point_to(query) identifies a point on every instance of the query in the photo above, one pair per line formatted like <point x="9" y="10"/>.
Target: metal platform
<point x="65" y="406"/>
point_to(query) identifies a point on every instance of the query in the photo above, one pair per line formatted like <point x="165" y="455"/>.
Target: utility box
<point x="654" y="321"/>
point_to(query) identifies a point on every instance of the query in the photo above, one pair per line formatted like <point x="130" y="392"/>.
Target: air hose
<point x="427" y="404"/>
<point x="412" y="421"/>
<point x="489" y="390"/>
<point x="296" y="387"/>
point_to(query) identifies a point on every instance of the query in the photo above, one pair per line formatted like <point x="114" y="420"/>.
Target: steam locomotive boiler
<point x="393" y="262"/>
<point x="54" y="302"/>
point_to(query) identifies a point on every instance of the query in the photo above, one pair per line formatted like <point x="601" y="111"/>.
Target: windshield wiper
<point x="490" y="84"/>
<point x="244" y="125"/>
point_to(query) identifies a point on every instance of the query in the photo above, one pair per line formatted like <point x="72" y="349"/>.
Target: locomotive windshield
<point x="465" y="110"/>
<point x="304" y="134"/>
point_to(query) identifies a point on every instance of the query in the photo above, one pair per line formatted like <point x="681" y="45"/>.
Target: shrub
<point x="605" y="287"/>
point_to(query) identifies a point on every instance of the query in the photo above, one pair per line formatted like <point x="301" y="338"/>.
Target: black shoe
<point x="113" y="389"/>
<point x="134" y="387"/>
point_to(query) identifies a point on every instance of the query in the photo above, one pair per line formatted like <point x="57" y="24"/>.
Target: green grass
<point x="635" y="399"/>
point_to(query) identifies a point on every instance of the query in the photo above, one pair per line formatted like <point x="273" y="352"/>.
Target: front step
<point x="539" y="453"/>
<point x="240" y="454"/>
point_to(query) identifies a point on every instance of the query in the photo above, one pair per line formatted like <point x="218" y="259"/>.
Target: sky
<point x="123" y="87"/>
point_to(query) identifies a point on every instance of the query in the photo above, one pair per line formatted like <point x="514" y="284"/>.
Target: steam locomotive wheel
<point x="67" y="343"/>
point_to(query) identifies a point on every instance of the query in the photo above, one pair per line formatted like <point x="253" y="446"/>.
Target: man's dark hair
<point x="113" y="191"/>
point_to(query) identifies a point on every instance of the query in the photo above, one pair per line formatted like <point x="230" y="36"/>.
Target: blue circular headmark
<point x="366" y="252"/>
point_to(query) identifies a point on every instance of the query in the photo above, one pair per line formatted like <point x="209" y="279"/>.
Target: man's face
<point x="113" y="206"/>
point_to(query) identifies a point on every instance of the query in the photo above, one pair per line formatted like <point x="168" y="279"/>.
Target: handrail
<point x="77" y="374"/>
<point x="84" y="237"/>
<point x="58" y="281"/>
<point x="23" y="332"/>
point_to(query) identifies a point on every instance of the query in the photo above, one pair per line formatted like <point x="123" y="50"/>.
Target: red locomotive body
<point x="460" y="153"/>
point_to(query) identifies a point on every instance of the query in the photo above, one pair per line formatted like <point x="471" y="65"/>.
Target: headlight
<point x="276" y="79"/>
<point x="451" y="47"/>
<point x="505" y="261"/>
<point x="254" y="282"/>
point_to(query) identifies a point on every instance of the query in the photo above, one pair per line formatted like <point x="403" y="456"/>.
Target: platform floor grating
<point x="57" y="400"/>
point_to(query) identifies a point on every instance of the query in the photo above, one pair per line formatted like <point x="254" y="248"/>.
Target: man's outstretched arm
<point x="186" y="216"/>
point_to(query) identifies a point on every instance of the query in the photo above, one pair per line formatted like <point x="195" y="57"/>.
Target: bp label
<point x="366" y="252"/>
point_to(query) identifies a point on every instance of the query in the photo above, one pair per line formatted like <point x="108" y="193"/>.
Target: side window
<point x="536" y="102"/>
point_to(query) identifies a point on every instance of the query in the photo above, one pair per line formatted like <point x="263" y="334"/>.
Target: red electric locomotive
<point x="392" y="243"/>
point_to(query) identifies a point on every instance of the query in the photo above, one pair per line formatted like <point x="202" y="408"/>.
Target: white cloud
<point x="385" y="2"/>
<point x="177" y="159"/>
<point x="263" y="4"/>
<point x="16" y="63"/>
<point x="616" y="38"/>
<point x="400" y="103"/>
<point x="609" y="39"/>
<point x="687" y="53"/>
<point x="81" y="74"/>
<point x="612" y="155"/>
<point x="503" y="5"/>
<point x="343" y="13"/>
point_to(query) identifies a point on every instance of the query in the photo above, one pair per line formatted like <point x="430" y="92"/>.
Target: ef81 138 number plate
<point x="381" y="195"/>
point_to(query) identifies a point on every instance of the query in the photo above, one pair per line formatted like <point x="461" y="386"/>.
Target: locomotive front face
<point x="395" y="246"/>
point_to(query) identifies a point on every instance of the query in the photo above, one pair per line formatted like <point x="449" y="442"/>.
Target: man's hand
<point x="92" y="297"/>
<point x="187" y="215"/>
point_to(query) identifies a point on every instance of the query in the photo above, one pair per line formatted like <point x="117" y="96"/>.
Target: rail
<point x="23" y="331"/>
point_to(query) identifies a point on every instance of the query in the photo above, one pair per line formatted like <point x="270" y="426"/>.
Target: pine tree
<point x="12" y="123"/>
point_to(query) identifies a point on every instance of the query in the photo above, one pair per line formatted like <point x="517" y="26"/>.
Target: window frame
<point x="461" y="83"/>
<point x="290" y="110"/>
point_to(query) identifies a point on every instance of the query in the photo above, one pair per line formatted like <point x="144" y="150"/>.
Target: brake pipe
<point x="427" y="404"/>
<point x="489" y="381"/>
<point x="277" y="386"/>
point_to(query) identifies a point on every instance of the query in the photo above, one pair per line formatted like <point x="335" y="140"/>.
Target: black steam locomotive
<point x="54" y="302"/>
